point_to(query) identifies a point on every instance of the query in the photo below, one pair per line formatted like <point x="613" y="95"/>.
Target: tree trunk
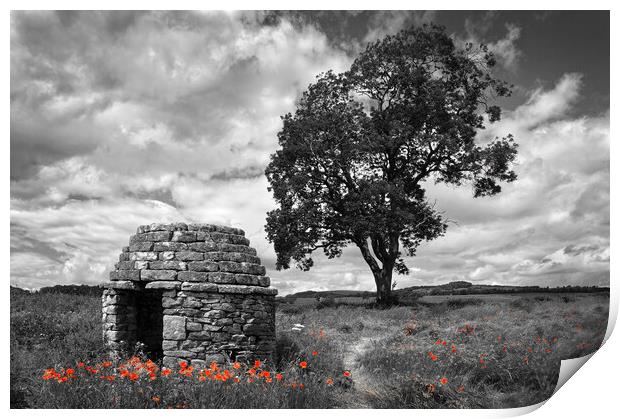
<point x="383" y="279"/>
<point x="382" y="274"/>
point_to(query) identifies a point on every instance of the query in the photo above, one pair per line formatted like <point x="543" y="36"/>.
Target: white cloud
<point x="173" y="118"/>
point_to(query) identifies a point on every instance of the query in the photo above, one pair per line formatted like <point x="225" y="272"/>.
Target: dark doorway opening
<point x="150" y="322"/>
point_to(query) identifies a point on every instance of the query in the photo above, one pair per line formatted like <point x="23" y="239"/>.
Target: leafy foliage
<point x="356" y="153"/>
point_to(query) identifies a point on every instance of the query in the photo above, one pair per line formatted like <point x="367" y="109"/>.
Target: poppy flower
<point x="314" y="353"/>
<point x="265" y="374"/>
<point x="252" y="371"/>
<point x="279" y="377"/>
<point x="106" y="364"/>
<point x="432" y="356"/>
<point x="133" y="376"/>
<point x="80" y="365"/>
<point x="430" y="388"/>
<point x="346" y="373"/>
<point x="303" y="364"/>
<point x="257" y="364"/>
<point x="443" y="381"/>
<point x="460" y="388"/>
<point x="453" y="349"/>
<point x="329" y="381"/>
<point x="165" y="372"/>
<point x="156" y="399"/>
<point x="236" y="365"/>
<point x="70" y="371"/>
<point x="183" y="364"/>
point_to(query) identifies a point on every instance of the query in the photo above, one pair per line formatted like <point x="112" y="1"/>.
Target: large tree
<point x="357" y="152"/>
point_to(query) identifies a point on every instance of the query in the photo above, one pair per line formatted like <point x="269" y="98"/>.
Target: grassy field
<point x="439" y="352"/>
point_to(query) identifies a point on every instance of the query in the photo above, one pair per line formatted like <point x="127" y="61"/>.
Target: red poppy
<point x="279" y="377"/>
<point x="314" y="353"/>
<point x="303" y="364"/>
<point x="443" y="381"/>
<point x="346" y="373"/>
<point x="257" y="364"/>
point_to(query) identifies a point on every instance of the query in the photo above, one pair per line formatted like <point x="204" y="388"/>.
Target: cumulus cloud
<point x="121" y="119"/>
<point x="505" y="49"/>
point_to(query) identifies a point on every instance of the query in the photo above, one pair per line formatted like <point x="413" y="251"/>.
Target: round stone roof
<point x="190" y="257"/>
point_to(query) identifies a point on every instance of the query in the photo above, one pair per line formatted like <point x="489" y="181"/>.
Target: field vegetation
<point x="447" y="352"/>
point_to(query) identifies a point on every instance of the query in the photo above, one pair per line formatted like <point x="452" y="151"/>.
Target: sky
<point x="126" y="118"/>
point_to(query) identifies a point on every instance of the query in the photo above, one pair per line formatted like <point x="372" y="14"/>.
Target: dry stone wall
<point x="191" y="292"/>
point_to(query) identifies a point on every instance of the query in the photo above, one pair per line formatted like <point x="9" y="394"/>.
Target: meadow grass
<point x="452" y="353"/>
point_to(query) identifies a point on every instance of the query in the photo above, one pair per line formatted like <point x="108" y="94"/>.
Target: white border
<point x="593" y="391"/>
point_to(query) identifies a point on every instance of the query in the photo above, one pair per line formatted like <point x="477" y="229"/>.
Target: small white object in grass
<point x="299" y="325"/>
<point x="296" y="329"/>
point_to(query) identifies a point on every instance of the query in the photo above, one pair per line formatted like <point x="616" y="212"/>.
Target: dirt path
<point x="362" y="381"/>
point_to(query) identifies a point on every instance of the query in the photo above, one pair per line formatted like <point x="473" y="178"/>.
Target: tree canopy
<point x="355" y="155"/>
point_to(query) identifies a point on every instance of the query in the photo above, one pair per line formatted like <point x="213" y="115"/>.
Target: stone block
<point x="245" y="279"/>
<point x="158" y="275"/>
<point x="201" y="227"/>
<point x="166" y="255"/>
<point x="243" y="289"/>
<point x="170" y="345"/>
<point x="174" y="328"/>
<point x="143" y="256"/>
<point x="168" y="264"/>
<point x="203" y="247"/>
<point x="141" y="247"/>
<point x="121" y="285"/>
<point x="125" y="265"/>
<point x="163" y="285"/>
<point x="189" y="256"/>
<point x="179" y="354"/>
<point x="125" y="275"/>
<point x="190" y="276"/>
<point x="221" y="278"/>
<point x="198" y="287"/>
<point x="170" y="302"/>
<point x="141" y="264"/>
<point x="184" y="236"/>
<point x="202" y="266"/>
<point x="170" y="246"/>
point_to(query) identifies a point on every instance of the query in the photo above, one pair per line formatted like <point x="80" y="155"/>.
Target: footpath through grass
<point x="455" y="354"/>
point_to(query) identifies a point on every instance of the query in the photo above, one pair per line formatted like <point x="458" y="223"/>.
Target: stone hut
<point x="190" y="292"/>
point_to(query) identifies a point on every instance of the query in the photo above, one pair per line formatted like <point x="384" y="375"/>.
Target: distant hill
<point x="93" y="290"/>
<point x="451" y="288"/>
<point x="16" y="291"/>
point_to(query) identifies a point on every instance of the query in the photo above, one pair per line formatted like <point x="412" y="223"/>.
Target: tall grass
<point x="507" y="354"/>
